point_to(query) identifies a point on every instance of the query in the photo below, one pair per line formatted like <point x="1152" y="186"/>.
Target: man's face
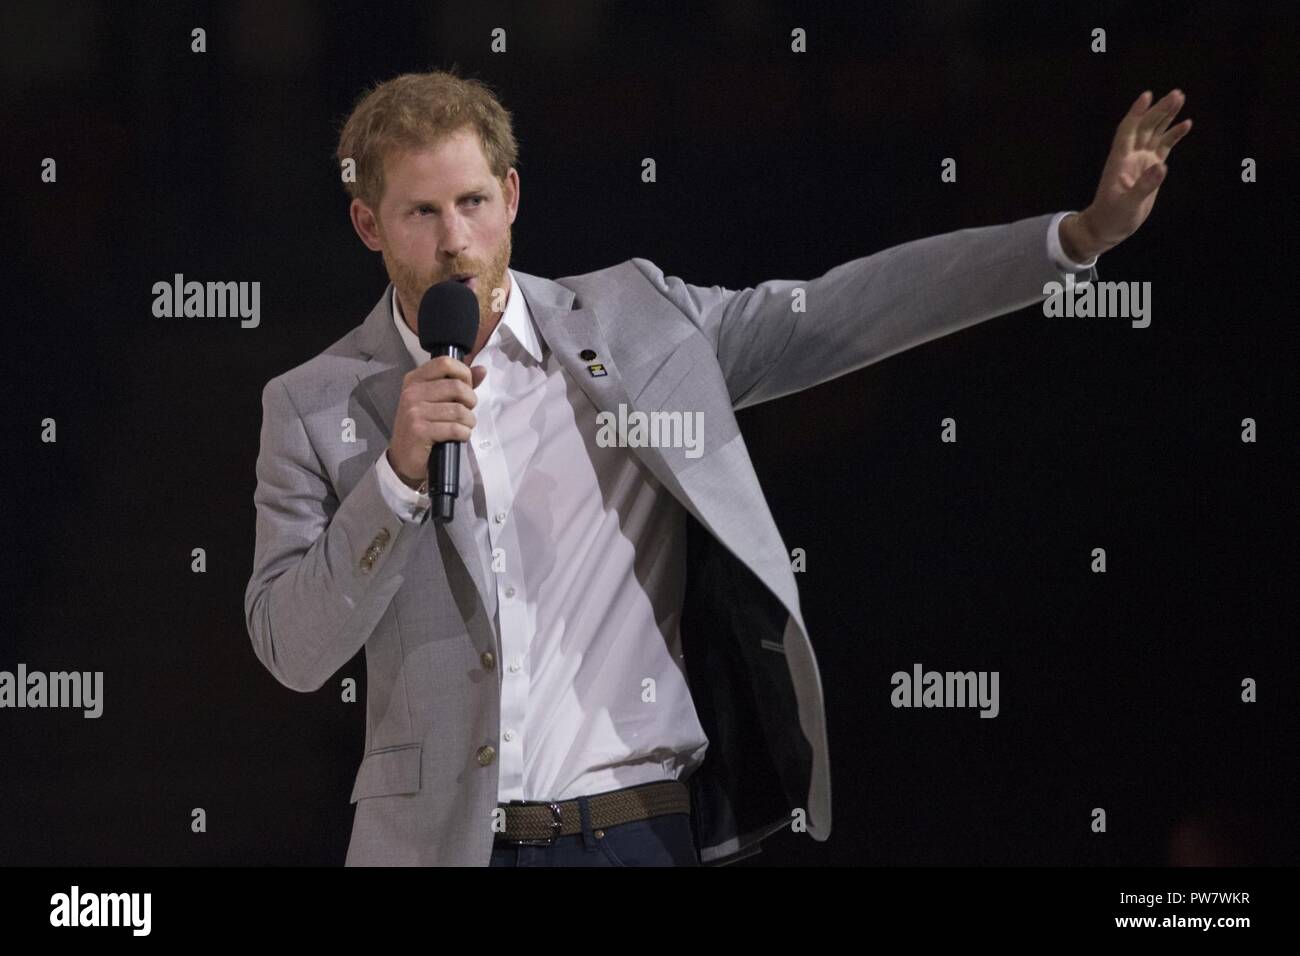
<point x="443" y="214"/>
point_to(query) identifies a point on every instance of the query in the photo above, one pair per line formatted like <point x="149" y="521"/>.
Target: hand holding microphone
<point x="434" y="412"/>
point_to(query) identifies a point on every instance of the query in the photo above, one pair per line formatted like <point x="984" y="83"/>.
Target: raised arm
<point x="786" y="335"/>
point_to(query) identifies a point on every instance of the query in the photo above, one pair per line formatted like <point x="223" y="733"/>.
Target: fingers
<point x="435" y="406"/>
<point x="1128" y="126"/>
<point x="442" y="366"/>
<point x="1146" y="127"/>
<point x="1155" y="121"/>
<point x="433" y="421"/>
<point x="1139" y="107"/>
<point x="434" y="412"/>
<point x="1167" y="141"/>
<point x="440" y="390"/>
<point x="434" y="433"/>
<point x="1148" y="182"/>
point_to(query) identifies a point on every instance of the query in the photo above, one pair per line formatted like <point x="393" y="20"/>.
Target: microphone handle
<point x="444" y="463"/>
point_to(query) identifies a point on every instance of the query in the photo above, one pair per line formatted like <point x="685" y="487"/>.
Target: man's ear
<point x="366" y="224"/>
<point x="510" y="193"/>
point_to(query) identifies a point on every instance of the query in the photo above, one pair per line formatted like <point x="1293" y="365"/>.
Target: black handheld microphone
<point x="448" y="326"/>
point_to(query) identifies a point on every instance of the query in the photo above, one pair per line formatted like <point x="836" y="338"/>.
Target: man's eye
<point x="480" y="200"/>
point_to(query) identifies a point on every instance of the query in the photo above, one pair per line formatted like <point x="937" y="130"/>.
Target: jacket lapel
<point x="381" y="379"/>
<point x="569" y="332"/>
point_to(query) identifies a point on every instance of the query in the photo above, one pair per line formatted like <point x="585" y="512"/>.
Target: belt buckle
<point x="555" y="828"/>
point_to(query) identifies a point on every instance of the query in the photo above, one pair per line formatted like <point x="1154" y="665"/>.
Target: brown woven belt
<point x="539" y="822"/>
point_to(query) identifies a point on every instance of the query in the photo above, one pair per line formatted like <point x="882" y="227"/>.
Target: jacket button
<point x="488" y="660"/>
<point x="368" y="561"/>
<point x="485" y="755"/>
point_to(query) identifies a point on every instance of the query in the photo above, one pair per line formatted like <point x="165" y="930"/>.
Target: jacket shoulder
<point x="629" y="270"/>
<point x="630" y="283"/>
<point x="314" y="381"/>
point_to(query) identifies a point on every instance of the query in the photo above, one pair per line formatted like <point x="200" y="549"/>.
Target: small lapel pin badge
<point x="596" y="370"/>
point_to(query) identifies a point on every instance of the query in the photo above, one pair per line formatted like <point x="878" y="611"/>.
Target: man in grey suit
<point x="602" y="659"/>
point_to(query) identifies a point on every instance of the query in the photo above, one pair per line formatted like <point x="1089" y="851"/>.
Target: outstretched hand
<point x="1130" y="179"/>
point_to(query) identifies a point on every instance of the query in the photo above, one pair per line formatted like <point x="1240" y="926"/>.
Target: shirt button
<point x="485" y="443"/>
<point x="485" y="755"/>
<point x="488" y="659"/>
<point x="501" y="516"/>
<point x="510" y="592"/>
<point x="509" y="735"/>
<point x="515" y="664"/>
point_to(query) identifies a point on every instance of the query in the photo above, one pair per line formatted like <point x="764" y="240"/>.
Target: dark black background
<point x="1118" y="690"/>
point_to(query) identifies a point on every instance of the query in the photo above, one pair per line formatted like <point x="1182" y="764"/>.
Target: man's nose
<point x="455" y="239"/>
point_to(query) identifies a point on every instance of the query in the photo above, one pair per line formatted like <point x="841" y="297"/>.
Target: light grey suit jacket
<point x="334" y="569"/>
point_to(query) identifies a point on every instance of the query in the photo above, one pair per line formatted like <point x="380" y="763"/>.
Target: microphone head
<point x="448" y="317"/>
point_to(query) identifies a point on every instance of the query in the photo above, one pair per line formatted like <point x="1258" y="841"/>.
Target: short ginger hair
<point x="416" y="111"/>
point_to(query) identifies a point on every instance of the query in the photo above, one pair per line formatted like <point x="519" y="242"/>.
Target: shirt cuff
<point x="407" y="503"/>
<point x="1054" y="250"/>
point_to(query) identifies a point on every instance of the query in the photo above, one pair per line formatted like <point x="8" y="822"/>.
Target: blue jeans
<point x="664" y="840"/>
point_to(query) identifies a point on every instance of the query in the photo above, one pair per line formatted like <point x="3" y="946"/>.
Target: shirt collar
<point x="517" y="319"/>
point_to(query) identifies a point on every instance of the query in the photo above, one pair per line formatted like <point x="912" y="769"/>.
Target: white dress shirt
<point x="589" y="601"/>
